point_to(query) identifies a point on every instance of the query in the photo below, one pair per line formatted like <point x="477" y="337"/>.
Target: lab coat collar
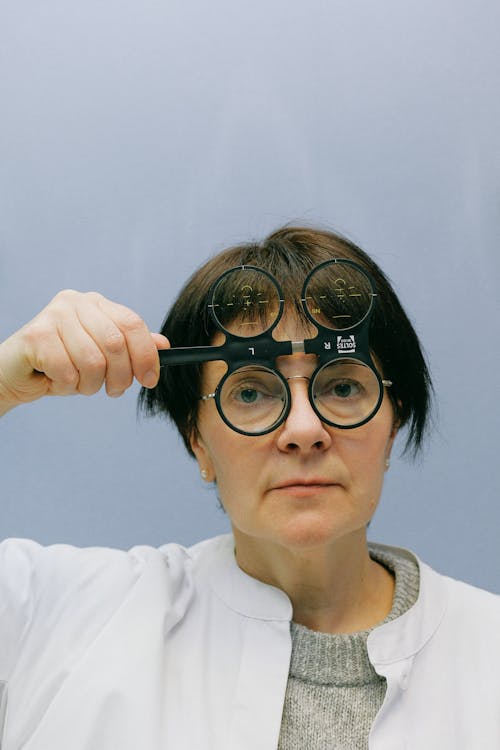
<point x="394" y="641"/>
<point x="242" y="593"/>
<point x="402" y="638"/>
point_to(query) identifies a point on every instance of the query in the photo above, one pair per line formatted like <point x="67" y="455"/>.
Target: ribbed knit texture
<point x="333" y="692"/>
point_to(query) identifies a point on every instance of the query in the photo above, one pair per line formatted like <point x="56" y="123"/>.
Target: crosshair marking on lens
<point x="246" y="302"/>
<point x="338" y="295"/>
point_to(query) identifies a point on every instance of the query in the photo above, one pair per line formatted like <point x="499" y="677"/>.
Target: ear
<point x="390" y="442"/>
<point x="202" y="455"/>
<point x="396" y="422"/>
<point x="395" y="429"/>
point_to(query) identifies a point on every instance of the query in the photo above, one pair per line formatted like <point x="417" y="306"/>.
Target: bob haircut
<point x="289" y="254"/>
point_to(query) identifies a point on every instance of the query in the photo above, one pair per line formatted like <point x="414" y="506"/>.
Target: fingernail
<point x="116" y="394"/>
<point x="149" y="379"/>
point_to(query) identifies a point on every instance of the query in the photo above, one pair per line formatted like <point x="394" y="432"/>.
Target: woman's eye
<point x="248" y="395"/>
<point x="343" y="389"/>
<point x="254" y="394"/>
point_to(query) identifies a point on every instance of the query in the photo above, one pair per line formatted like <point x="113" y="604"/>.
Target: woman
<point x="292" y="632"/>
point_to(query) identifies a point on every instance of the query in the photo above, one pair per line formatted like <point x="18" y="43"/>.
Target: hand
<point x="77" y="343"/>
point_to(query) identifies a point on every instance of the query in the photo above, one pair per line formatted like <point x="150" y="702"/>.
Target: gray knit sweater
<point x="333" y="692"/>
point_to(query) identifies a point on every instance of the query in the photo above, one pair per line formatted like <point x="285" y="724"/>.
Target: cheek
<point x="368" y="445"/>
<point x="237" y="462"/>
<point x="228" y="451"/>
<point x="365" y="455"/>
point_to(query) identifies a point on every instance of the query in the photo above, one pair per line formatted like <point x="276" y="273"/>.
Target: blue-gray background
<point x="139" y="138"/>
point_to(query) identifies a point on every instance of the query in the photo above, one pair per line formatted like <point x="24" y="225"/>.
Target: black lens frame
<point x="262" y="350"/>
<point x="276" y="424"/>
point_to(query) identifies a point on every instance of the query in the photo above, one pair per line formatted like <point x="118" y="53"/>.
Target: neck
<point x="335" y="588"/>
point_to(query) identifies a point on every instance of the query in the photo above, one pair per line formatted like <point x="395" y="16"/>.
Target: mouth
<point x="305" y="486"/>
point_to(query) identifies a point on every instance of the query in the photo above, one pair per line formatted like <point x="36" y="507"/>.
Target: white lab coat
<point x="178" y="648"/>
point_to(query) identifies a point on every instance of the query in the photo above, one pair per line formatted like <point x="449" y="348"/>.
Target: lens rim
<point x="211" y="305"/>
<point x="352" y="360"/>
<point x="336" y="262"/>
<point x="283" y="416"/>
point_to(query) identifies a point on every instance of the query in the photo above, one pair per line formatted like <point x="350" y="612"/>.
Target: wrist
<point x="6" y="401"/>
<point x="4" y="408"/>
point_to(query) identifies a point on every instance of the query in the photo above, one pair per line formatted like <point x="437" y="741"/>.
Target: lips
<point x="301" y="482"/>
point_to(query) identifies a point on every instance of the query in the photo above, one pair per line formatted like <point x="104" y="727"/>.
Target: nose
<point x="302" y="431"/>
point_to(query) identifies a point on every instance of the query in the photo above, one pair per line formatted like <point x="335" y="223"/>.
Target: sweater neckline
<point x="341" y="659"/>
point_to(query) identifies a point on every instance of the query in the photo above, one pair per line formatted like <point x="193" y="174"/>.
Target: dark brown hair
<point x="289" y="254"/>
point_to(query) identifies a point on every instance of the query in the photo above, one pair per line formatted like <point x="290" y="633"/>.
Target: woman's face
<point x="305" y="484"/>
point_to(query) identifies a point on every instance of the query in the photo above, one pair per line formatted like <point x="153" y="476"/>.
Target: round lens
<point x="253" y="399"/>
<point x="338" y="295"/>
<point x="246" y="302"/>
<point x="346" y="392"/>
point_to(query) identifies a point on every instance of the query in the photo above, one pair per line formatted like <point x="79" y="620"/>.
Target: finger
<point x="84" y="352"/>
<point x="111" y="344"/>
<point x="140" y="343"/>
<point x="161" y="341"/>
<point x="55" y="373"/>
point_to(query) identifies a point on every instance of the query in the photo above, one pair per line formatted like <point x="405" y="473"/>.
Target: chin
<point x="309" y="534"/>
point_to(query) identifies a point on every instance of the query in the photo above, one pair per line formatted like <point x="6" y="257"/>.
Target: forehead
<point x="292" y="326"/>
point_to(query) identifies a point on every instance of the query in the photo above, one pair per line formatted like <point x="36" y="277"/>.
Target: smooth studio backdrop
<point x="139" y="138"/>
